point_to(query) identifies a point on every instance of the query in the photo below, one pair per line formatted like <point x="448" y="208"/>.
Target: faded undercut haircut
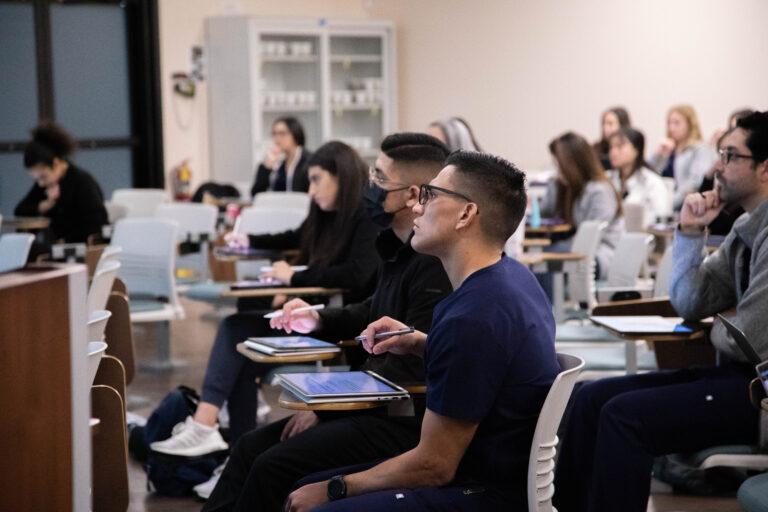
<point x="417" y="156"/>
<point x="498" y="188"/>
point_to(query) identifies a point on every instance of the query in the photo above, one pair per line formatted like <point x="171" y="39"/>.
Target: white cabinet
<point x="336" y="77"/>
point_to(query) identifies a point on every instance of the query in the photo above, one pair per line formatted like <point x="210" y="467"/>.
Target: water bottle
<point x="535" y="217"/>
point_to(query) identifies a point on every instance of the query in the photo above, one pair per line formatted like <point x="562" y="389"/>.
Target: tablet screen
<point x="338" y="383"/>
<point x="286" y="342"/>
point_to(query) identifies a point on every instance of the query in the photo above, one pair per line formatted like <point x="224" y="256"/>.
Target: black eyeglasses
<point x="427" y="192"/>
<point x="727" y="155"/>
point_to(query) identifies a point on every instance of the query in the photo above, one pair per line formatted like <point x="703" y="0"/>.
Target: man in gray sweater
<point x="619" y="425"/>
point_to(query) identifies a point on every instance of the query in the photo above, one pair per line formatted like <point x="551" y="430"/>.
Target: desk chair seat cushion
<point x="753" y="494"/>
<point x="206" y="292"/>
<point x="608" y="358"/>
<point x="583" y="333"/>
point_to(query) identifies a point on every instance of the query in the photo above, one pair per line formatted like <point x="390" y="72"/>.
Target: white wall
<point x="520" y="71"/>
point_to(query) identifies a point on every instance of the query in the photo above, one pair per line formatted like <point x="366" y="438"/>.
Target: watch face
<point x="337" y="489"/>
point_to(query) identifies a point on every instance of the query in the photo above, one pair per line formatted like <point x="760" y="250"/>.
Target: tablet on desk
<point x="290" y="345"/>
<point x="266" y="282"/>
<point x="638" y="325"/>
<point x="334" y="387"/>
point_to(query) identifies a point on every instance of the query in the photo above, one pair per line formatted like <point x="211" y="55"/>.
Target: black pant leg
<point x="238" y="466"/>
<point x="331" y="444"/>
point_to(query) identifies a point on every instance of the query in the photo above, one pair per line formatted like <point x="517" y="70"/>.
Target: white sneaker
<point x="205" y="489"/>
<point x="191" y="439"/>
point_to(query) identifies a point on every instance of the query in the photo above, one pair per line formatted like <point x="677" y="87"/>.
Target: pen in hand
<point x="279" y="312"/>
<point x="386" y="334"/>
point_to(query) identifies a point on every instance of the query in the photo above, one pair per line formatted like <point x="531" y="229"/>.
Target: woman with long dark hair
<point x="285" y="164"/>
<point x="583" y="192"/>
<point x="611" y="121"/>
<point x="336" y="241"/>
<point x="634" y="179"/>
<point x="63" y="192"/>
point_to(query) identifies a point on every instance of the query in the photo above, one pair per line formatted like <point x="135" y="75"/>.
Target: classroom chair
<point x="101" y="285"/>
<point x="14" y="250"/>
<point x="110" y="253"/>
<point x="623" y="274"/>
<point x="115" y="211"/>
<point x="109" y="453"/>
<point x="634" y="217"/>
<point x="139" y="202"/>
<point x="95" y="352"/>
<point x="147" y="267"/>
<point x="294" y="200"/>
<point x="541" y="462"/>
<point x="581" y="274"/>
<point x="119" y="335"/>
<point x="97" y="323"/>
<point x="197" y="224"/>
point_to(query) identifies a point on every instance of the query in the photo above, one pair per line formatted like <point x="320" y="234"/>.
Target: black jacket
<point x="409" y="287"/>
<point x="300" y="181"/>
<point x="353" y="269"/>
<point x="79" y="211"/>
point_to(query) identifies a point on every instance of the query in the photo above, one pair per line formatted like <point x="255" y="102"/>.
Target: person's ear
<point x="467" y="216"/>
<point x="412" y="196"/>
<point x="762" y="171"/>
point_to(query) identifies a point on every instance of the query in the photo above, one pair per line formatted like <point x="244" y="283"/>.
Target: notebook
<point x="290" y="345"/>
<point x="333" y="387"/>
<point x="643" y="324"/>
<point x="265" y="282"/>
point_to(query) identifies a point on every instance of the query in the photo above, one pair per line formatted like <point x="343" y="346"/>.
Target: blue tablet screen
<point x="337" y="383"/>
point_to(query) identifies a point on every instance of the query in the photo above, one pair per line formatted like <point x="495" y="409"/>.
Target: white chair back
<point x="97" y="322"/>
<point x="581" y="274"/>
<point x="148" y="257"/>
<point x="96" y="350"/>
<point x="110" y="253"/>
<point x="194" y="219"/>
<point x="663" y="274"/>
<point x="101" y="285"/>
<point x="139" y="202"/>
<point x="628" y="259"/>
<point x="541" y="462"/>
<point x="634" y="217"/>
<point x="297" y="200"/>
<point x="14" y="250"/>
<point x="671" y="186"/>
<point x="115" y="211"/>
<point x="256" y="220"/>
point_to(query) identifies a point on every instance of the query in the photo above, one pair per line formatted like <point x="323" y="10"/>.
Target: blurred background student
<point x="612" y="120"/>
<point x="63" y="192"/>
<point x="683" y="155"/>
<point x="635" y="181"/>
<point x="285" y="166"/>
<point x="455" y="133"/>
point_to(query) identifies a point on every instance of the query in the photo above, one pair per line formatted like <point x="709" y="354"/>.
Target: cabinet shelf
<point x="356" y="59"/>
<point x="289" y="59"/>
<point x="289" y="108"/>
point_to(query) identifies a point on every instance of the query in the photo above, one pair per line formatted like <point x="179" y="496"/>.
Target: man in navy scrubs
<point x="490" y="359"/>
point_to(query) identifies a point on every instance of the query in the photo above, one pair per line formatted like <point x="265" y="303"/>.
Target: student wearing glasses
<point x="266" y="462"/>
<point x="617" y="426"/>
<point x="489" y="359"/>
<point x="285" y="166"/>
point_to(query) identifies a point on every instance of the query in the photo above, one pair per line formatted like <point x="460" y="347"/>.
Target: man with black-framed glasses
<point x="618" y="426"/>
<point x="489" y="358"/>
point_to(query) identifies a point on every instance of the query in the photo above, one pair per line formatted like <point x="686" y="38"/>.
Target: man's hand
<point x="52" y="193"/>
<point x="404" y="344"/>
<point x="272" y="158"/>
<point x="699" y="210"/>
<point x="281" y="271"/>
<point x="666" y="146"/>
<point x="236" y="240"/>
<point x="303" y="322"/>
<point x="298" y="423"/>
<point x="307" y="497"/>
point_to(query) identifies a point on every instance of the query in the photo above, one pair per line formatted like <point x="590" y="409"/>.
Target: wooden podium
<point x="45" y="446"/>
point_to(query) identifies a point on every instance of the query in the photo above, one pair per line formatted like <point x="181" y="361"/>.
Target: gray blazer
<point x="701" y="287"/>
<point x="597" y="202"/>
<point x="690" y="166"/>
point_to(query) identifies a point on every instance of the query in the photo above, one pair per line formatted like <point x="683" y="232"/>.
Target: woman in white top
<point x="632" y="177"/>
<point x="683" y="155"/>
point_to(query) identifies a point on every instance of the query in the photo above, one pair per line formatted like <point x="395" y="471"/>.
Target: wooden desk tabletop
<point x="698" y="333"/>
<point x="548" y="230"/>
<point x="530" y="243"/>
<point x="288" y="401"/>
<point x="26" y="223"/>
<point x="271" y="292"/>
<point x="562" y="256"/>
<point x="258" y="357"/>
<point x="529" y="259"/>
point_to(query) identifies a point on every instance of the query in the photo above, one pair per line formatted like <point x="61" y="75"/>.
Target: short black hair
<point x="757" y="140"/>
<point x="497" y="186"/>
<point x="414" y="147"/>
<point x="49" y="141"/>
<point x="295" y="127"/>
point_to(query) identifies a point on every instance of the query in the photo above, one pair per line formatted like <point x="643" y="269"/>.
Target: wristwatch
<point x="337" y="488"/>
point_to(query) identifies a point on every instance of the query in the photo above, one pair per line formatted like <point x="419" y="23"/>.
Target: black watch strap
<point x="337" y="488"/>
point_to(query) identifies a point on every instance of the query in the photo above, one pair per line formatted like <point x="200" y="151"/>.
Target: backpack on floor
<point x="171" y="475"/>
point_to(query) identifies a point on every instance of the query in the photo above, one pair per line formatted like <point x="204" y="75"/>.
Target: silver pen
<point x="386" y="334"/>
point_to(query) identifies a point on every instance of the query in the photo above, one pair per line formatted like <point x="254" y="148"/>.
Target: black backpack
<point x="171" y="475"/>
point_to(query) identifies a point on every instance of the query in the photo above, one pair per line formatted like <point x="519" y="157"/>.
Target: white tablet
<point x="325" y="387"/>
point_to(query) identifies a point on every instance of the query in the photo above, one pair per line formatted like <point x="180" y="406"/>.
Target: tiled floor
<point x="191" y="342"/>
